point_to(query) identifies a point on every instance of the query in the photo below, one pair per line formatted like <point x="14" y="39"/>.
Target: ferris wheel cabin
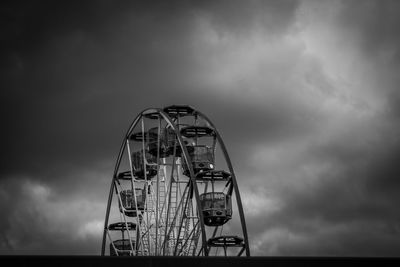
<point x="160" y="142"/>
<point x="122" y="247"/>
<point x="127" y="198"/>
<point x="201" y="155"/>
<point x="216" y="208"/>
<point x="139" y="160"/>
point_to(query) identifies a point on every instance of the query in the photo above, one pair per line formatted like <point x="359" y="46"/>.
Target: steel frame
<point x="190" y="190"/>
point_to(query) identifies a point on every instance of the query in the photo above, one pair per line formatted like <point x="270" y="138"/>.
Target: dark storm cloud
<point x="78" y="68"/>
<point x="374" y="25"/>
<point x="303" y="93"/>
<point x="81" y="66"/>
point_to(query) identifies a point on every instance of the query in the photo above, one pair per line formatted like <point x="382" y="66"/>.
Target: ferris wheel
<point x="174" y="191"/>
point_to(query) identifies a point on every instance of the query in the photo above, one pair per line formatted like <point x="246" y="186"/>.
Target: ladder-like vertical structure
<point x="174" y="191"/>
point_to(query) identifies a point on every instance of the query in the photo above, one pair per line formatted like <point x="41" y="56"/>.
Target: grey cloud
<point x="82" y="72"/>
<point x="373" y="24"/>
<point x="39" y="222"/>
<point x="356" y="240"/>
<point x="356" y="195"/>
<point x="243" y="18"/>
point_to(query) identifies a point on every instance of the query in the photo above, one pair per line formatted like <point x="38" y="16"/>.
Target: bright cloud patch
<point x="34" y="209"/>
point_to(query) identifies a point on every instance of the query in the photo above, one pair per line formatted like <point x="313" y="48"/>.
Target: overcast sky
<point x="304" y="93"/>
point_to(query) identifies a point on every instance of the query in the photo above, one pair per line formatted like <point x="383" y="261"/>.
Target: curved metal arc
<point x="105" y="230"/>
<point x="131" y="127"/>
<point x="235" y="186"/>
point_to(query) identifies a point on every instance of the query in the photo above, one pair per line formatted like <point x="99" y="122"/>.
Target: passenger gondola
<point x="129" y="204"/>
<point x="201" y="158"/>
<point x="179" y="110"/>
<point x="138" y="165"/>
<point x="121" y="247"/>
<point x="216" y="208"/>
<point x="122" y="226"/>
<point x="160" y="143"/>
